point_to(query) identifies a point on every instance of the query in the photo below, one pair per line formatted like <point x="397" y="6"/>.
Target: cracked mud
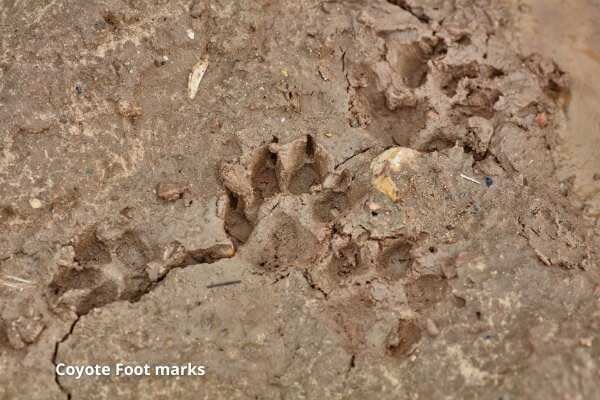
<point x="359" y="201"/>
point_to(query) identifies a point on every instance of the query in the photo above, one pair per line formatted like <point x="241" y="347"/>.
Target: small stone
<point x="586" y="342"/>
<point x="563" y="188"/>
<point x="374" y="206"/>
<point x="35" y="203"/>
<point x="396" y="161"/>
<point x="160" y="61"/>
<point x="432" y="328"/>
<point x="541" y="120"/>
<point x="488" y="181"/>
<point x="171" y="191"/>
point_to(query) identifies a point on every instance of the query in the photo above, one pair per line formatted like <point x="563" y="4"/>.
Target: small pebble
<point x="35" y="203"/>
<point x="432" y="328"/>
<point x="374" y="206"/>
<point x="488" y="181"/>
<point x="564" y="188"/>
<point x="541" y="120"/>
<point x="171" y="191"/>
<point x="160" y="61"/>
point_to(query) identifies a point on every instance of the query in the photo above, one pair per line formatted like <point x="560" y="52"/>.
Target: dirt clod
<point x="171" y="191"/>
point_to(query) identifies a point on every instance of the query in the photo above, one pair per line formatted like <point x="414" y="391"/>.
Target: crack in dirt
<point x="280" y="278"/>
<point x="356" y="154"/>
<point x="155" y="285"/>
<point x="309" y="279"/>
<point x="55" y="357"/>
<point x="416" y="12"/>
<point x="185" y="264"/>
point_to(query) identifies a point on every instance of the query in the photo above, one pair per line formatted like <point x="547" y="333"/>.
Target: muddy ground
<point x="569" y="33"/>
<point x="378" y="182"/>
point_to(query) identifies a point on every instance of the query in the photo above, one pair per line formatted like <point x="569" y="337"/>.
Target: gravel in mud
<point x="360" y="201"/>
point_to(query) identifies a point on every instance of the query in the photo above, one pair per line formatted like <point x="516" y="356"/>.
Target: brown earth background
<point x="401" y="197"/>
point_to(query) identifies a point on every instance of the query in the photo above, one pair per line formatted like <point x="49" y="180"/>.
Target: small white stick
<point x="10" y="285"/>
<point x="470" y="179"/>
<point x="196" y="77"/>
<point x="16" y="278"/>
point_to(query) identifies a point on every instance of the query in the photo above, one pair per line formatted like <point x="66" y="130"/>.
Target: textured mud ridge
<point x="378" y="175"/>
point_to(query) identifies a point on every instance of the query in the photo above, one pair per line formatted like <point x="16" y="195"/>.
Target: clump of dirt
<point x="360" y="200"/>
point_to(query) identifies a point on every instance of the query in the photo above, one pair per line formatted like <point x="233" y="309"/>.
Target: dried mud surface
<point x="379" y="176"/>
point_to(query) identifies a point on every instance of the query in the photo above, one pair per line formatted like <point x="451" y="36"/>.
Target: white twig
<point x="196" y="76"/>
<point x="470" y="179"/>
<point x="10" y="285"/>
<point x="16" y="278"/>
